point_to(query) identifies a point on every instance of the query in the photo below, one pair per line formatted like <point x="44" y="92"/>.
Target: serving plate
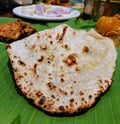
<point x="15" y="109"/>
<point x="31" y="13"/>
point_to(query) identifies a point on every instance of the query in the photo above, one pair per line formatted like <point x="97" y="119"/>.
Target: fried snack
<point x="13" y="31"/>
<point x="110" y="27"/>
<point x="58" y="2"/>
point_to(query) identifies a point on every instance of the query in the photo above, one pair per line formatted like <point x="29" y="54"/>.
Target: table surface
<point x="6" y="14"/>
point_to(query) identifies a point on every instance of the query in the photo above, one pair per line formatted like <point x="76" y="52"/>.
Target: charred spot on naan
<point x="43" y="47"/>
<point x="21" y="63"/>
<point x="81" y="93"/>
<point x="104" y="84"/>
<point x="51" y="58"/>
<point x="78" y="69"/>
<point x="61" y="108"/>
<point x="71" y="60"/>
<point x="41" y="59"/>
<point x="86" y="49"/>
<point x="33" y="70"/>
<point x="67" y="47"/>
<point x="52" y="87"/>
<point x="60" y="37"/>
<point x="42" y="100"/>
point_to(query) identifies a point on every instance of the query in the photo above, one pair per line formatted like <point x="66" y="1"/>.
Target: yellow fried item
<point x="108" y="26"/>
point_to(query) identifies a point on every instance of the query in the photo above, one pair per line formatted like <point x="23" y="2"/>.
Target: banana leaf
<point x="15" y="109"/>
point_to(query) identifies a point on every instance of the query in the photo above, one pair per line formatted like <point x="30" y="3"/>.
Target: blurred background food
<point x="94" y="9"/>
<point x="67" y="3"/>
<point x="109" y="26"/>
<point x="23" y="2"/>
<point x="58" y="2"/>
<point x="12" y="31"/>
<point x="8" y="5"/>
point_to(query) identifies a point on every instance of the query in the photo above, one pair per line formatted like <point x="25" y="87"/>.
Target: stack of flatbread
<point x="63" y="70"/>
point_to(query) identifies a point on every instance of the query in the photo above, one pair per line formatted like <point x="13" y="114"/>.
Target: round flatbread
<point x="63" y="70"/>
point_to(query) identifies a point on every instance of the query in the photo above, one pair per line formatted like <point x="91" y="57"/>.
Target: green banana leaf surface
<point x="15" y="109"/>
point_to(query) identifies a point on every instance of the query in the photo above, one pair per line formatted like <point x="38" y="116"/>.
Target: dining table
<point x="15" y="109"/>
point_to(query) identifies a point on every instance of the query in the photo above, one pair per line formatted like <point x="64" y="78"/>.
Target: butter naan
<point x="63" y="70"/>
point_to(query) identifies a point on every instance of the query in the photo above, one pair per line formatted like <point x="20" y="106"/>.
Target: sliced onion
<point x="62" y="10"/>
<point x="51" y="14"/>
<point x="40" y="9"/>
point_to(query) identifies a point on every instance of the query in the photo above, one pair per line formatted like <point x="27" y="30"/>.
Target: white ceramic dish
<point x="18" y="11"/>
